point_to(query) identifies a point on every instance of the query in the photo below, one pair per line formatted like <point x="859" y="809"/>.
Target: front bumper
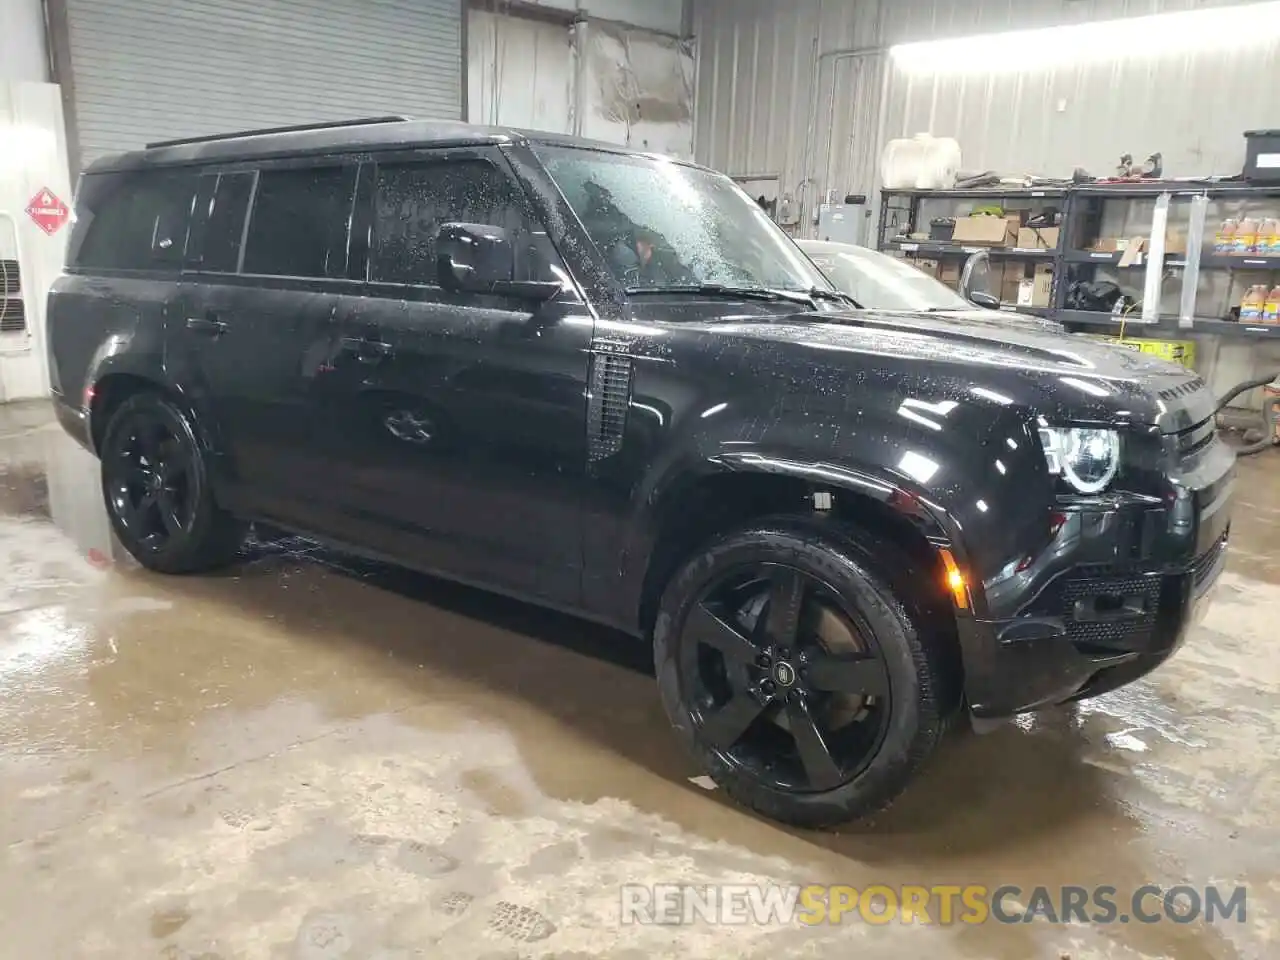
<point x="1109" y="599"/>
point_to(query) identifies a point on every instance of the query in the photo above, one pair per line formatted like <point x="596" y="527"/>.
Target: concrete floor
<point x="304" y="758"/>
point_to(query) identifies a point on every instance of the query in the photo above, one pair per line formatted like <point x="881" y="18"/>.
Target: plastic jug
<point x="1224" y="240"/>
<point x="1271" y="309"/>
<point x="1246" y="237"/>
<point x="1254" y="302"/>
<point x="1269" y="238"/>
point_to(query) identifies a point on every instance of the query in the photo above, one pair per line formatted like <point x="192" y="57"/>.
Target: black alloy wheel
<point x="782" y="680"/>
<point x="149" y="481"/>
<point x="806" y="685"/>
<point x="156" y="486"/>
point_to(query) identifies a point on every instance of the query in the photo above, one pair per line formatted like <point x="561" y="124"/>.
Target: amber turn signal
<point x="955" y="580"/>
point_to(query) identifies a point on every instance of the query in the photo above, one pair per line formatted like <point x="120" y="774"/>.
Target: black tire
<point x="915" y="707"/>
<point x="155" y="482"/>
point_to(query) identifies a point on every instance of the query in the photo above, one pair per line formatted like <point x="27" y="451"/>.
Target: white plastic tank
<point x="922" y="162"/>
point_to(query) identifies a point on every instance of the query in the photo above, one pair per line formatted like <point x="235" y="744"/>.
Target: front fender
<point x="980" y="488"/>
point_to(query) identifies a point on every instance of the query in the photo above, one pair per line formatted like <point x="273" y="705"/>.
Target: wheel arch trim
<point x="936" y="523"/>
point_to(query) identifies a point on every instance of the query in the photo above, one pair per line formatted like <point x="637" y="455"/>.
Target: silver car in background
<point x="877" y="281"/>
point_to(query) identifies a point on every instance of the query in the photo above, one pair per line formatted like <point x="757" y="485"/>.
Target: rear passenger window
<point x="413" y="199"/>
<point x="299" y="223"/>
<point x="225" y="227"/>
<point x="133" y="221"/>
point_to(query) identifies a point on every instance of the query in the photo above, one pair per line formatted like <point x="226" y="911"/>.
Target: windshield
<point x="664" y="225"/>
<point x="880" y="282"/>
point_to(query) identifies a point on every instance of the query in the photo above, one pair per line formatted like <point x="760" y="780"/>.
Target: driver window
<point x="412" y="200"/>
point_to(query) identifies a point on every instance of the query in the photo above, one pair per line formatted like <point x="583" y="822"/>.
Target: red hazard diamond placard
<point x="48" y="211"/>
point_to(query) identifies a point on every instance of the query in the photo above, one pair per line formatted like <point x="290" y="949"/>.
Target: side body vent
<point x="13" y="317"/>
<point x="608" y="397"/>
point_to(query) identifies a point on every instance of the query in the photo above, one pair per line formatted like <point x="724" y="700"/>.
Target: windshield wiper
<point x="724" y="290"/>
<point x="831" y="296"/>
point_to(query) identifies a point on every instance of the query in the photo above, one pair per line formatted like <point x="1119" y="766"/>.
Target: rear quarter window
<point x="132" y="221"/>
<point x="299" y="223"/>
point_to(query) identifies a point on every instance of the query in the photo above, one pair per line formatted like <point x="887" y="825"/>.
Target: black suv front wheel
<point x="796" y="675"/>
<point x="156" y="485"/>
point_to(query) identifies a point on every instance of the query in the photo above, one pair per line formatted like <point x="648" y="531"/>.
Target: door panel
<point x="259" y="334"/>
<point x="258" y="358"/>
<point x="468" y="436"/>
<point x="464" y="441"/>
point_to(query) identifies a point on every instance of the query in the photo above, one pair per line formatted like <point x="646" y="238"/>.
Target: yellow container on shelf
<point x="1175" y="351"/>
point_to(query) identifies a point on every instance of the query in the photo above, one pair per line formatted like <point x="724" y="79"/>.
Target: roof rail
<point x="296" y="128"/>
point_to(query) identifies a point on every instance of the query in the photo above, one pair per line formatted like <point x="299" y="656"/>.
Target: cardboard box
<point x="949" y="273"/>
<point x="1133" y="251"/>
<point x="985" y="231"/>
<point x="1014" y="274"/>
<point x="925" y="265"/>
<point x="1042" y="285"/>
<point x="1175" y="241"/>
<point x="1038" y="238"/>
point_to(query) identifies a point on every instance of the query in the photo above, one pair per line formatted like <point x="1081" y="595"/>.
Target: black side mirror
<point x="975" y="279"/>
<point x="480" y="258"/>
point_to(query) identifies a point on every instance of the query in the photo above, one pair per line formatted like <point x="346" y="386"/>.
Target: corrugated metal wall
<point x="775" y="96"/>
<point x="153" y="69"/>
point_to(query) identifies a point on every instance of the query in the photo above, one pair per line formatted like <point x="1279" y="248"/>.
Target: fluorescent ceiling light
<point x="1193" y="31"/>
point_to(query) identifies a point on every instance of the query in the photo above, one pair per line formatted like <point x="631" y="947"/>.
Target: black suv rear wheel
<point x="795" y="675"/>
<point x="156" y="485"/>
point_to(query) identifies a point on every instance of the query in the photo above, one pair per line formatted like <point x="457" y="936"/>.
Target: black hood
<point x="1053" y="373"/>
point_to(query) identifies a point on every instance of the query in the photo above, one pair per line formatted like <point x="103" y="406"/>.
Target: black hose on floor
<point x="1240" y="388"/>
<point x="1269" y="410"/>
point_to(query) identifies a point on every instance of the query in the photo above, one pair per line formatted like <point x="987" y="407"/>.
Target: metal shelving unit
<point x="1081" y="206"/>
<point x="904" y="208"/>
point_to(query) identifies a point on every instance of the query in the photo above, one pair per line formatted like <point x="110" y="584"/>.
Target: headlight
<point x="1086" y="458"/>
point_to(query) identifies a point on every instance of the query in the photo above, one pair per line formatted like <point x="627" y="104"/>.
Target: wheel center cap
<point x="784" y="674"/>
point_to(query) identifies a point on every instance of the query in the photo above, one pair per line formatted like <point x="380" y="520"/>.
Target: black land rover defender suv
<point x="605" y="381"/>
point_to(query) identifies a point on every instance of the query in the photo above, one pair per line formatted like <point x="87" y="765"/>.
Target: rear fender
<point x="118" y="356"/>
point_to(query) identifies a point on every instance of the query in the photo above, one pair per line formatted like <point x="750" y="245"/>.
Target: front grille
<point x="9" y="277"/>
<point x="1123" y="606"/>
<point x="1130" y="631"/>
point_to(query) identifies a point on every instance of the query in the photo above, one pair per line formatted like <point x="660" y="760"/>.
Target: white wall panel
<point x="593" y="78"/>
<point x="520" y="72"/>
<point x="33" y="158"/>
<point x="23" y="55"/>
<point x="637" y="89"/>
